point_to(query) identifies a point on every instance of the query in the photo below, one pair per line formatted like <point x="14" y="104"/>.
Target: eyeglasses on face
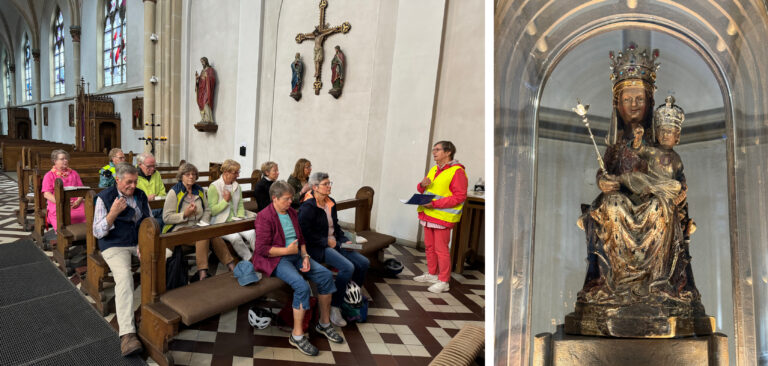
<point x="327" y="184"/>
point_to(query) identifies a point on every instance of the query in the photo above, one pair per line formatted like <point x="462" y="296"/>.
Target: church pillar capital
<point x="74" y="31"/>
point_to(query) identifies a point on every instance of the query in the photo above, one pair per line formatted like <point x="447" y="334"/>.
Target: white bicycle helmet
<point x="259" y="318"/>
<point x="353" y="295"/>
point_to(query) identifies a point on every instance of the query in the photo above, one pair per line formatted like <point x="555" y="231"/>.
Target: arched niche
<point x="531" y="38"/>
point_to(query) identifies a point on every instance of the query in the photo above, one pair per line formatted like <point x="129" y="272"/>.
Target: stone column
<point x="74" y="31"/>
<point x="149" y="65"/>
<point x="173" y="126"/>
<point x="36" y="92"/>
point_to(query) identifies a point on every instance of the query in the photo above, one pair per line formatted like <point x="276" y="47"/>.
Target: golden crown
<point x="669" y="114"/>
<point x="634" y="64"/>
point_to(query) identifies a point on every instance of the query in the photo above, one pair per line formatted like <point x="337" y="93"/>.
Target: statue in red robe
<point x="205" y="83"/>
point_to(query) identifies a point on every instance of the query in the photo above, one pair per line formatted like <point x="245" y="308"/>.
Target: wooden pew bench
<point x="68" y="234"/>
<point x="26" y="197"/>
<point x="97" y="273"/>
<point x="377" y="242"/>
<point x="161" y="310"/>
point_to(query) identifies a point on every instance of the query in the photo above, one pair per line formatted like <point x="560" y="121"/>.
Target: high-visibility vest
<point x="440" y="187"/>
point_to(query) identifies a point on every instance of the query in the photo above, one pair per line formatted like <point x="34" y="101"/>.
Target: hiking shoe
<point x="129" y="344"/>
<point x="336" y="317"/>
<point x="426" y="277"/>
<point x="329" y="333"/>
<point x="439" y="287"/>
<point x="303" y="345"/>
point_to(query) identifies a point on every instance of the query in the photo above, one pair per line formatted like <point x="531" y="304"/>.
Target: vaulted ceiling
<point x="20" y="16"/>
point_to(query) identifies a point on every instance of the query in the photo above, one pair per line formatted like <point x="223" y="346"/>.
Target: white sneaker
<point x="336" y="317"/>
<point x="439" y="287"/>
<point x="426" y="277"/>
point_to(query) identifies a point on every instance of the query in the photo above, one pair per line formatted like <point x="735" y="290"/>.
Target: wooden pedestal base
<point x="563" y="349"/>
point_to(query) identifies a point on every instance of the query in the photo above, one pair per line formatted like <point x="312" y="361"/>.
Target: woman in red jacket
<point x="448" y="182"/>
<point x="280" y="250"/>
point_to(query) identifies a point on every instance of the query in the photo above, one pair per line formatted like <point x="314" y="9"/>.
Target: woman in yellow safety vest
<point x="447" y="180"/>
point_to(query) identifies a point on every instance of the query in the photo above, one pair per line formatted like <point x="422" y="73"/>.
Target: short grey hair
<point x="316" y="178"/>
<point x="125" y="168"/>
<point x="55" y="155"/>
<point x="143" y="156"/>
<point x="279" y="188"/>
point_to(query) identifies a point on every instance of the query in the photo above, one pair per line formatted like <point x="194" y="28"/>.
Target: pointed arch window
<point x="27" y="70"/>
<point x="114" y="42"/>
<point x="58" y="53"/>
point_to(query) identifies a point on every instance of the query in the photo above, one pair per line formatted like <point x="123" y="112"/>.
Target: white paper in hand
<point x="202" y="223"/>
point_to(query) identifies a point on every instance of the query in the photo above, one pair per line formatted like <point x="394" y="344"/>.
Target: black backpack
<point x="176" y="270"/>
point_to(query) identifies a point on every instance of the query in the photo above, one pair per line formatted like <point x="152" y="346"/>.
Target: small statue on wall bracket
<point x="297" y="77"/>
<point x="205" y="84"/>
<point x="337" y="73"/>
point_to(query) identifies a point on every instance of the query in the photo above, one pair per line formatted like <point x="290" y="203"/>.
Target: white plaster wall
<point x="221" y="44"/>
<point x="459" y="114"/>
<point x="566" y="178"/>
<point x="377" y="133"/>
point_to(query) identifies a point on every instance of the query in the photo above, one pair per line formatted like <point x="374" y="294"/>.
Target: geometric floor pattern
<point x="406" y="325"/>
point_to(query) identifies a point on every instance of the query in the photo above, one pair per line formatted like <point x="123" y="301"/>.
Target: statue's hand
<point x="608" y="183"/>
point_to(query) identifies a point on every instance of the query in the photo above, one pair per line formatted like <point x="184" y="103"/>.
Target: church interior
<point x="363" y="90"/>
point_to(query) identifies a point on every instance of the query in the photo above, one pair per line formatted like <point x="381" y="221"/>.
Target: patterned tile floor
<point x="407" y="325"/>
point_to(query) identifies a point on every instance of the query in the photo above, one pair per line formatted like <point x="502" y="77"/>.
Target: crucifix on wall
<point x="321" y="32"/>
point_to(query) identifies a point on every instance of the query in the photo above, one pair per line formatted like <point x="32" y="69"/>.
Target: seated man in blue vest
<point x="117" y="214"/>
<point x="107" y="173"/>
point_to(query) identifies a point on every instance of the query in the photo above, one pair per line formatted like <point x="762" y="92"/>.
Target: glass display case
<point x="548" y="54"/>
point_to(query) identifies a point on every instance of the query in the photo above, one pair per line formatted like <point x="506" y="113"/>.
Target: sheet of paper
<point x="202" y="223"/>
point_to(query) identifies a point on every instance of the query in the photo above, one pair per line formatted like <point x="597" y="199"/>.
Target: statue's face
<point x="631" y="105"/>
<point x="668" y="136"/>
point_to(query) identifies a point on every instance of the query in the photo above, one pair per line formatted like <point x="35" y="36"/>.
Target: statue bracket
<point x="206" y="126"/>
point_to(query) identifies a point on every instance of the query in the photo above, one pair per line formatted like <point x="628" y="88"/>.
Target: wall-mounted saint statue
<point x="337" y="73"/>
<point x="297" y="77"/>
<point x="205" y="84"/>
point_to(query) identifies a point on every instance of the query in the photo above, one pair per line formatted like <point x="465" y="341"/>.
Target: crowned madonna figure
<point x="639" y="282"/>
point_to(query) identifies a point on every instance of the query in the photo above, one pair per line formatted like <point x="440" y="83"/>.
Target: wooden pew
<point x="377" y="242"/>
<point x="161" y="310"/>
<point x="24" y="177"/>
<point x="11" y="150"/>
<point x="68" y="234"/>
<point x="40" y="207"/>
<point x="97" y="271"/>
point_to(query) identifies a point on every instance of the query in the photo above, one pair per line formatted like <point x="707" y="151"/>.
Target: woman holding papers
<point x="320" y="226"/>
<point x="70" y="178"/>
<point x="186" y="207"/>
<point x="447" y="180"/>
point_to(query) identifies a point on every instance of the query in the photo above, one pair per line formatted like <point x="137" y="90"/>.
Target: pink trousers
<point x="438" y="257"/>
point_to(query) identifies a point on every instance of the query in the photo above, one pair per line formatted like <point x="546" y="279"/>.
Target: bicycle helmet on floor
<point x="259" y="317"/>
<point x="353" y="295"/>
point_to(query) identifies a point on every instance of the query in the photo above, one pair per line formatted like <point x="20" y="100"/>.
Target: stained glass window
<point x="27" y="70"/>
<point x="114" y="42"/>
<point x="58" y="53"/>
